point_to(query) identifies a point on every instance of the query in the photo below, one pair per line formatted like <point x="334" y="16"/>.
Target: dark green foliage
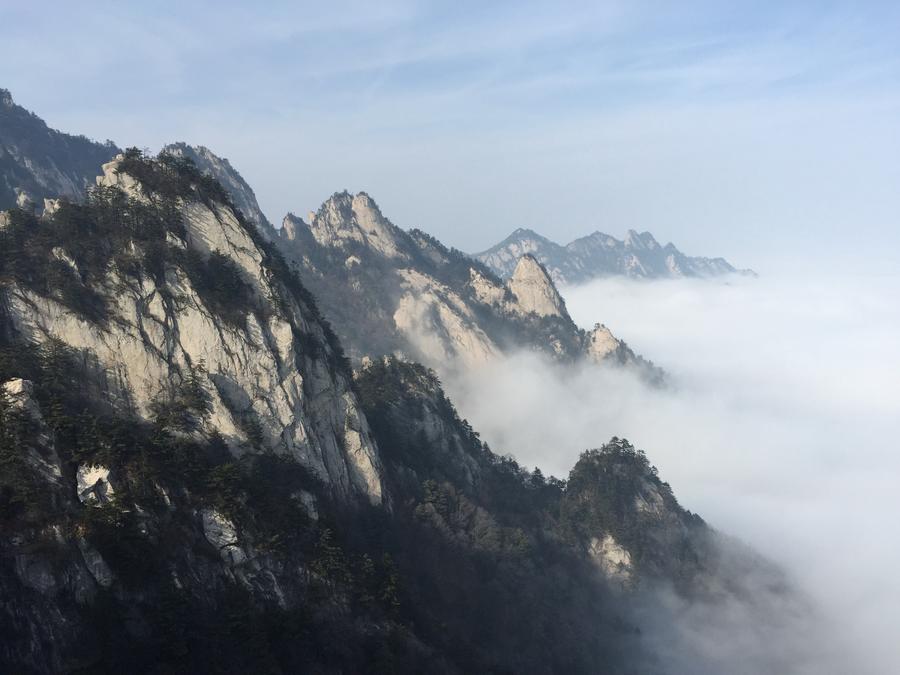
<point x="68" y="255"/>
<point x="221" y="285"/>
<point x="456" y="269"/>
<point x="484" y="575"/>
<point x="186" y="406"/>
<point x="22" y="493"/>
<point x="601" y="496"/>
<point x="172" y="177"/>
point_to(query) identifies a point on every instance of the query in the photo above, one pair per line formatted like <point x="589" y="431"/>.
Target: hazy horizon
<point x="766" y="135"/>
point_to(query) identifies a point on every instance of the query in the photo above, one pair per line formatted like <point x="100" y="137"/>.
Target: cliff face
<point x="37" y="162"/>
<point x="202" y="295"/>
<point x="638" y="255"/>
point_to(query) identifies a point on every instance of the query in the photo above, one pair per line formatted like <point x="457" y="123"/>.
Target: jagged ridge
<point x="638" y="255"/>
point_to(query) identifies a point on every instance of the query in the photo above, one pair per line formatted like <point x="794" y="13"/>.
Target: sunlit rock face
<point x="93" y="484"/>
<point x="346" y="219"/>
<point x="534" y="290"/>
<point x="612" y="559"/>
<point x="275" y="373"/>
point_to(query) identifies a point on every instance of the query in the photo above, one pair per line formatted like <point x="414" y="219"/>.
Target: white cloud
<point x="783" y="429"/>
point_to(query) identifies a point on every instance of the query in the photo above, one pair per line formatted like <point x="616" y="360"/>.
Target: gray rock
<point x="93" y="486"/>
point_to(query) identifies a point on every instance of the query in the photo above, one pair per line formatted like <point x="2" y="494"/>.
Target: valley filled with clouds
<point x="779" y="427"/>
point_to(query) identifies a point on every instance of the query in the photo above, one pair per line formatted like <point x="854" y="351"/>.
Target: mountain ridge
<point x="638" y="255"/>
<point x="37" y="162"/>
<point x="392" y="291"/>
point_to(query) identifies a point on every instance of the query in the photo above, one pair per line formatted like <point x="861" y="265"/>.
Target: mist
<point x="779" y="428"/>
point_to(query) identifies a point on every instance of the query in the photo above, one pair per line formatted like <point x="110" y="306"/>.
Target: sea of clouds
<point x="781" y="427"/>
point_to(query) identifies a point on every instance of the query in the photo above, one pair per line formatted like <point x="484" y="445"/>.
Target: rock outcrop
<point x="639" y="255"/>
<point x="534" y="290"/>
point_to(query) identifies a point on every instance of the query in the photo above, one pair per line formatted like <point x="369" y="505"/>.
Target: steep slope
<point x="388" y="291"/>
<point x="37" y="162"/>
<point x="220" y="169"/>
<point x="164" y="284"/>
<point x="639" y="255"/>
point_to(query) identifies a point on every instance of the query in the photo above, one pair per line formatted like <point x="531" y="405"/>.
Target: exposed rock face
<point x="93" y="484"/>
<point x="221" y="169"/>
<point x="639" y="255"/>
<point x="221" y="533"/>
<point x="19" y="393"/>
<point x="534" y="290"/>
<point x="261" y="373"/>
<point x="346" y="219"/>
<point x="439" y="324"/>
<point x="38" y="162"/>
<point x="604" y="347"/>
<point x="611" y="558"/>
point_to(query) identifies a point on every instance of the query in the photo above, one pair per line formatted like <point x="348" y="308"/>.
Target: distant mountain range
<point x="597" y="255"/>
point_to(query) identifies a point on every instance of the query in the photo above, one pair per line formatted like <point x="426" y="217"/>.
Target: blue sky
<point x="751" y="130"/>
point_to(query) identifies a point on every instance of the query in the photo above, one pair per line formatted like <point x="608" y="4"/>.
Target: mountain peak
<point x="641" y="240"/>
<point x="346" y="218"/>
<point x="524" y="232"/>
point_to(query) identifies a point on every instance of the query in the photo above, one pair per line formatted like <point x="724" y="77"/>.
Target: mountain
<point x="37" y="162"/>
<point x="389" y="291"/>
<point x="598" y="254"/>
<point x="194" y="478"/>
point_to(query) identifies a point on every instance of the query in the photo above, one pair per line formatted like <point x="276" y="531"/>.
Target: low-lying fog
<point x="781" y="427"/>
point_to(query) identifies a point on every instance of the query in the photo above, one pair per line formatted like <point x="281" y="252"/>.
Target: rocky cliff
<point x="639" y="255"/>
<point x="183" y="287"/>
<point x="219" y="168"/>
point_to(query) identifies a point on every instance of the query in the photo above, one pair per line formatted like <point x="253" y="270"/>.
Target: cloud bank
<point x="782" y="430"/>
